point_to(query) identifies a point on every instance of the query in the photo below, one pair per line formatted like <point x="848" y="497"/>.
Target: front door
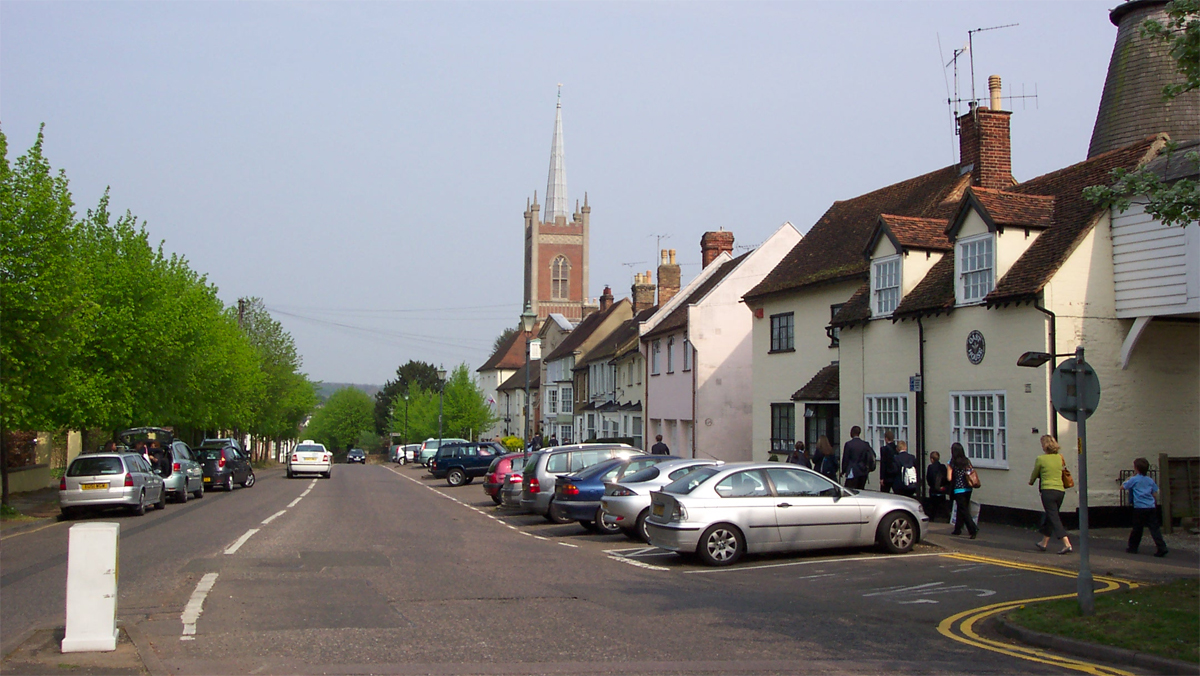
<point x="821" y="420"/>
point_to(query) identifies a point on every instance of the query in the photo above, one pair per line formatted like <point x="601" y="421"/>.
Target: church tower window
<point x="560" y="278"/>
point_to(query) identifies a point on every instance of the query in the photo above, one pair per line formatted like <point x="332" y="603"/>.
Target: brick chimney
<point x="984" y="144"/>
<point x="668" y="276"/>
<point x="642" y="291"/>
<point x="606" y="299"/>
<point x="713" y="243"/>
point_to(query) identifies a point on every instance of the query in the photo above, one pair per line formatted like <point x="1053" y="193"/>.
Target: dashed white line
<point x="568" y="544"/>
<point x="274" y="516"/>
<point x="639" y="564"/>
<point x="195" y="606"/>
<point x="241" y="541"/>
<point x="295" y="502"/>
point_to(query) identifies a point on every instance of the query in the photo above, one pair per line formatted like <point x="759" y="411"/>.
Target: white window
<point x="564" y="434"/>
<point x="885" y="286"/>
<point x="655" y="348"/>
<point x="560" y="274"/>
<point x="591" y="426"/>
<point x="687" y="355"/>
<point x="629" y="380"/>
<point x="975" y="264"/>
<point x="637" y="431"/>
<point x="979" y="422"/>
<point x="885" y="412"/>
<point x="568" y="399"/>
<point x="671" y="354"/>
<point x="551" y="401"/>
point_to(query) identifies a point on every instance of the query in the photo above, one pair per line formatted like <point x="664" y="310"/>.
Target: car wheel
<point x="199" y="492"/>
<point x="721" y="545"/>
<point x="162" y="499"/>
<point x="68" y="513"/>
<point x="554" y="515"/>
<point x="639" y="528"/>
<point x="228" y="486"/>
<point x="589" y="526"/>
<point x="456" y="477"/>
<point x="897" y="533"/>
<point x="289" y="473"/>
<point x="328" y="475"/>
<point x="249" y="481"/>
<point x="497" y="499"/>
<point x="469" y="479"/>
<point x="140" y="508"/>
<point x="605" y="528"/>
<point x="182" y="498"/>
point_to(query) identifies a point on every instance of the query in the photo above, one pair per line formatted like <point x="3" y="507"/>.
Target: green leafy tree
<point x="287" y="396"/>
<point x="340" y="422"/>
<point x="409" y="375"/>
<point x="465" y="411"/>
<point x="1177" y="202"/>
<point x="503" y="338"/>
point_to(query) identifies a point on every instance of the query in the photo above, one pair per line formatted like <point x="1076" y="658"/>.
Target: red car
<point x="498" y="472"/>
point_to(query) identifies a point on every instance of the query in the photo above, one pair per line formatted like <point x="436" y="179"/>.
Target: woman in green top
<point x="1047" y="470"/>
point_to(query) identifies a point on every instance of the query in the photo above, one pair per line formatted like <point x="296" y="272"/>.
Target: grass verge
<point x="8" y="513"/>
<point x="1162" y="619"/>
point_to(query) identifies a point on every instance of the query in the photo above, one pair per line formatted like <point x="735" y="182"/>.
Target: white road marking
<point x="241" y="541"/>
<point x="567" y="544"/>
<point x="902" y="589"/>
<point x="905" y="603"/>
<point x="809" y="563"/>
<point x="274" y="516"/>
<point x="295" y="502"/>
<point x="639" y="564"/>
<point x="195" y="606"/>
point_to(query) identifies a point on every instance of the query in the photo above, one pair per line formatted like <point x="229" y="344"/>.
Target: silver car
<point x="626" y="504"/>
<point x="186" y="476"/>
<point x="720" y="513"/>
<point x="98" y="480"/>
<point x="544" y="466"/>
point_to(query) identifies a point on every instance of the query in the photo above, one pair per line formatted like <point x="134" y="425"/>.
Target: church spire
<point x="556" y="183"/>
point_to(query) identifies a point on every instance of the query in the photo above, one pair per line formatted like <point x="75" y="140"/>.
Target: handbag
<point x="973" y="479"/>
<point x="1068" y="481"/>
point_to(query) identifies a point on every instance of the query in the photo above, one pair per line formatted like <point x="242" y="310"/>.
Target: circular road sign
<point x="1063" y="395"/>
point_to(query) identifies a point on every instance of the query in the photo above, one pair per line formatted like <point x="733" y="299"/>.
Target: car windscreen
<point x="648" y="474"/>
<point x="94" y="466"/>
<point x="598" y="469"/>
<point x="688" y="482"/>
<point x="209" y="453"/>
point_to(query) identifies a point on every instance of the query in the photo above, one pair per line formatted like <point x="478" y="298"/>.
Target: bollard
<point x="92" y="571"/>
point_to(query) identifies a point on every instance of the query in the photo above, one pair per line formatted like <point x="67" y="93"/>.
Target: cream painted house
<point x="508" y="358"/>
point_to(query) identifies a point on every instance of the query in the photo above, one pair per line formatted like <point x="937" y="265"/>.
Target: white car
<point x="309" y="457"/>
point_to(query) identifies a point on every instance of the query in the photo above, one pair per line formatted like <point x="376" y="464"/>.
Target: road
<point x="384" y="570"/>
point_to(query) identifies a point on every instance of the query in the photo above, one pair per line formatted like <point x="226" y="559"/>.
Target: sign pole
<point x="1084" y="588"/>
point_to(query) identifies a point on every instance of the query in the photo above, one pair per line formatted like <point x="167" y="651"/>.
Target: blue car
<point x="577" y="496"/>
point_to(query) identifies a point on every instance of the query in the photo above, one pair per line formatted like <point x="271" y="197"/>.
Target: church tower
<point x="556" y="249"/>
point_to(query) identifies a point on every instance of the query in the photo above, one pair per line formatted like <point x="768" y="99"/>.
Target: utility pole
<point x="241" y="313"/>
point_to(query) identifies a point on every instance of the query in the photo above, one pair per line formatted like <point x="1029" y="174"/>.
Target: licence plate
<point x="207" y="479"/>
<point x="93" y="487"/>
<point x="657" y="509"/>
<point x="312" y="458"/>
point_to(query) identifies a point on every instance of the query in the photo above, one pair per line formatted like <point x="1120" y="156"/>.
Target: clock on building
<point x="976" y="347"/>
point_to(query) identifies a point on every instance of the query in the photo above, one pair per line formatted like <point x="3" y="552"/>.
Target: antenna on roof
<point x="955" y="100"/>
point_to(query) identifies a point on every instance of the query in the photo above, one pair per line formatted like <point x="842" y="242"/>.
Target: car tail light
<point x="325" y="458"/>
<point x="62" y="484"/>
<point x="221" y="462"/>
<point x="175" y="467"/>
<point x="535" y="485"/>
<point x="515" y="478"/>
<point x="621" y="491"/>
<point x="570" y="489"/>
<point x="295" y="458"/>
<point x="128" y="480"/>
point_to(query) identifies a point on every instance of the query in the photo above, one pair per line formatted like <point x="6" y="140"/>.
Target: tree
<point x="503" y="338"/>
<point x="408" y="376"/>
<point x="288" y="396"/>
<point x="465" y="412"/>
<point x="1177" y="203"/>
<point x="339" y="423"/>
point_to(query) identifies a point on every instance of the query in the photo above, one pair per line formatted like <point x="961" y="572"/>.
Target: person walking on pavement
<point x="826" y="461"/>
<point x="935" y="482"/>
<point x="905" y="482"/>
<point x="887" y="463"/>
<point x="1144" y="491"/>
<point x="800" y="456"/>
<point x="659" y="448"/>
<point x="956" y="475"/>
<point x="1048" y="472"/>
<point x="858" y="460"/>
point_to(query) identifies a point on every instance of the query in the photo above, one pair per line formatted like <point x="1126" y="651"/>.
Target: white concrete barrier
<point x="92" y="570"/>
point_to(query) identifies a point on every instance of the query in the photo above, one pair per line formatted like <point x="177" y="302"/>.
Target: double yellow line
<point x="961" y="627"/>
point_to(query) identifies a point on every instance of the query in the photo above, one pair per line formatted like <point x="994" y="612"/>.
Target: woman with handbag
<point x="962" y="479"/>
<point x="1050" y="470"/>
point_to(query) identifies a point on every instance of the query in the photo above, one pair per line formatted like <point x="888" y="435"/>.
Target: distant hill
<point x="325" y="390"/>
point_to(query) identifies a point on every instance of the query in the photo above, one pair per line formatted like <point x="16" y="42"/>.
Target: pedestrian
<point x="800" y="456"/>
<point x="956" y="475"/>
<point x="826" y="461"/>
<point x="553" y="441"/>
<point x="1144" y="492"/>
<point x="935" y="483"/>
<point x="659" y="448"/>
<point x="110" y="446"/>
<point x="537" y="442"/>
<point x="887" y="463"/>
<point x="858" y="460"/>
<point x="1048" y="472"/>
<point x="905" y="482"/>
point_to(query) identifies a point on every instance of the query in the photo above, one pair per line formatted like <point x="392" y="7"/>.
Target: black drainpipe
<point x="921" y="457"/>
<point x="1054" y="362"/>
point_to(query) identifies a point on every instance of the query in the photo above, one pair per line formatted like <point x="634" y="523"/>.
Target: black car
<point x="356" y="455"/>
<point x="460" y="462"/>
<point x="224" y="466"/>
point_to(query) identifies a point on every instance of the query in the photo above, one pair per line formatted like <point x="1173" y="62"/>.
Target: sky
<point x="363" y="167"/>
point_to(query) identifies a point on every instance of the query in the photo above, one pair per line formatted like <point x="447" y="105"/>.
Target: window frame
<point x="687" y="355"/>
<point x="877" y="278"/>
<point x="788" y="442"/>
<point x="655" y="348"/>
<point x="777" y="342"/>
<point x="999" y="427"/>
<point x="873" y="428"/>
<point x="834" y="332"/>
<point x="552" y="400"/>
<point x="670" y="354"/>
<point x="560" y="278"/>
<point x="960" y="273"/>
<point x="566" y="400"/>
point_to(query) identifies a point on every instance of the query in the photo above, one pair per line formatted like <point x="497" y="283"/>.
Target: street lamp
<point x="406" y="417"/>
<point x="527" y="320"/>
<point x="1075" y="392"/>
<point x="441" y="374"/>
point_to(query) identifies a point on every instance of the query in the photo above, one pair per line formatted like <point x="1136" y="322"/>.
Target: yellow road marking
<point x="967" y="619"/>
<point x="31" y="530"/>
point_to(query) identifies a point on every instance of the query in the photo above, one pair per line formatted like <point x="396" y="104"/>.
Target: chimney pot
<point x="672" y="252"/>
<point x="995" y="89"/>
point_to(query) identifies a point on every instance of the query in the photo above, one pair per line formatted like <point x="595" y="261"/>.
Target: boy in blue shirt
<point x="1145" y="495"/>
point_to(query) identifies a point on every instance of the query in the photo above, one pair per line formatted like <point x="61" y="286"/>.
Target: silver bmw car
<point x="720" y="513"/>
<point x="626" y="503"/>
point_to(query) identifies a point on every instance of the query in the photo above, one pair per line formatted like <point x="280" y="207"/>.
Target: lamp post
<point x="1075" y="393"/>
<point x="527" y="320"/>
<point x="406" y="418"/>
<point x="441" y="374"/>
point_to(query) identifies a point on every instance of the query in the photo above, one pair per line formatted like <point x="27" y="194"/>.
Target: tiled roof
<point x="832" y="249"/>
<point x="1008" y="208"/>
<point x="517" y="380"/>
<point x="912" y="233"/>
<point x="855" y="310"/>
<point x="607" y="346"/>
<point x="933" y="295"/>
<point x="582" y="332"/>
<point x="822" y="387"/>
<point x="510" y="354"/>
<point x="678" y="317"/>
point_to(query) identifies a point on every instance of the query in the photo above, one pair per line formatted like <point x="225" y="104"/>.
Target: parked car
<point x="498" y="472"/>
<point x="98" y="480"/>
<point x="543" y="467"/>
<point x="460" y="462"/>
<point x="626" y="503"/>
<point x="720" y="513"/>
<point x="228" y="441"/>
<point x="224" y="466"/>
<point x="356" y="455"/>
<point x="309" y="457"/>
<point x="429" y="448"/>
<point x="577" y="496"/>
<point x="510" y="492"/>
<point x="403" y="454"/>
<point x="181" y="472"/>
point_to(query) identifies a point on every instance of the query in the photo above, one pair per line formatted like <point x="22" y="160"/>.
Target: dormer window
<point x="975" y="262"/>
<point x="885" y="286"/>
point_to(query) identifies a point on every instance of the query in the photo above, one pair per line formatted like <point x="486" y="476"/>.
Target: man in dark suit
<point x="858" y="460"/>
<point x="659" y="448"/>
<point x="887" y="463"/>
